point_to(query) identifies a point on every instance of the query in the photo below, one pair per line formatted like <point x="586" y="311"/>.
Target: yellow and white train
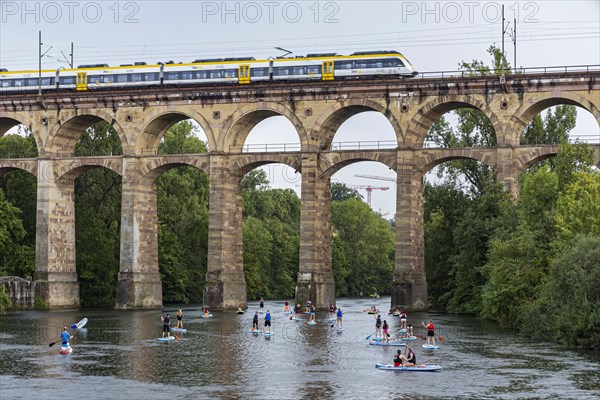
<point x="241" y="70"/>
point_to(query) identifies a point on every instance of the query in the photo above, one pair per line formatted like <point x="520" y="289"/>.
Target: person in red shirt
<point x="430" y="333"/>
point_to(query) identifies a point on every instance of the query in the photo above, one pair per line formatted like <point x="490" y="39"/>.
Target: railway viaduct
<point x="227" y="114"/>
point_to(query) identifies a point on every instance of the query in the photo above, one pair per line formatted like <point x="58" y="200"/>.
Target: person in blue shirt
<point x="268" y="321"/>
<point x="65" y="336"/>
<point x="339" y="317"/>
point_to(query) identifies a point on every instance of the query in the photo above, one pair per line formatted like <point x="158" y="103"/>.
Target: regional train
<point x="238" y="70"/>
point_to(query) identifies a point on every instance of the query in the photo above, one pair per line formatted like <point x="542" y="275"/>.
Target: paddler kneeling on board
<point x="206" y="313"/>
<point x="410" y="360"/>
<point x="398" y="359"/>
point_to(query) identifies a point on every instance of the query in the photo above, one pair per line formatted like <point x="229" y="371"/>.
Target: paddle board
<point x="377" y="339"/>
<point x="296" y="319"/>
<point x="256" y="332"/>
<point x="387" y="343"/>
<point x="425" y="368"/>
<point x="403" y="330"/>
<point x="66" y="350"/>
<point x="430" y="347"/>
<point x="340" y="330"/>
<point x="311" y="323"/>
<point x="410" y="338"/>
<point x="80" y="324"/>
<point x="179" y="330"/>
<point x="166" y="339"/>
<point x="268" y="333"/>
<point x="204" y="316"/>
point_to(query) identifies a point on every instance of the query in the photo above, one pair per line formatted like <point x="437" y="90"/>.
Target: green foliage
<point x="5" y="302"/>
<point x="553" y="129"/>
<point x="568" y="305"/>
<point x="366" y="250"/>
<point x="39" y="304"/>
<point x="97" y="219"/>
<point x="341" y="192"/>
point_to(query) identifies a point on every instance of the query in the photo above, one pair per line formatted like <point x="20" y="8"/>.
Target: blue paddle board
<point x="166" y="339"/>
<point x="387" y="343"/>
<point x="424" y="368"/>
<point x="430" y="347"/>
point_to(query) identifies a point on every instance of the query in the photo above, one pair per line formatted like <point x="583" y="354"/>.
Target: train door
<point x="327" y="71"/>
<point x="81" y="82"/>
<point x="244" y="74"/>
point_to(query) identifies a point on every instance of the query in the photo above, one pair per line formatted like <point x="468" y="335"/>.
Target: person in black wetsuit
<point x="262" y="304"/>
<point x="410" y="360"/>
<point x="166" y="320"/>
<point x="179" y="319"/>
<point x="255" y="322"/>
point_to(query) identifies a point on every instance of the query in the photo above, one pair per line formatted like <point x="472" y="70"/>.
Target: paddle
<point x="74" y="326"/>
<point x="173" y="332"/>
<point x="369" y="337"/>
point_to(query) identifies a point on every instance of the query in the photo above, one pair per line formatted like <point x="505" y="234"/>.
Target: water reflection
<point x="118" y="353"/>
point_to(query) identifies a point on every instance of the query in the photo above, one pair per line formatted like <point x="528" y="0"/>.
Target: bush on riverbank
<point x="4" y="301"/>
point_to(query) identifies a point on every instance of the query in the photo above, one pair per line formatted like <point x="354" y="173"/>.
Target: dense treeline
<point x="532" y="263"/>
<point x="271" y="229"/>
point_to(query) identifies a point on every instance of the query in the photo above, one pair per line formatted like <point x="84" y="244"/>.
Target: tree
<point x="341" y="192"/>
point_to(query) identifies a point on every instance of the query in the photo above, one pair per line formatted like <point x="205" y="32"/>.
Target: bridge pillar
<point x="139" y="283"/>
<point x="409" y="289"/>
<point x="225" y="286"/>
<point x="507" y="171"/>
<point x="55" y="271"/>
<point x="315" y="275"/>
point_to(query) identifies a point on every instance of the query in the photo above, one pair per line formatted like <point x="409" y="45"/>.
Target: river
<point x="117" y="356"/>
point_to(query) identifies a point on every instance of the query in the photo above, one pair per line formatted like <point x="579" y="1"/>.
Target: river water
<point x="117" y="356"/>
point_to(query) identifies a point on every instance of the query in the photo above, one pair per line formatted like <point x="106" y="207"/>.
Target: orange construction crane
<point x="369" y="189"/>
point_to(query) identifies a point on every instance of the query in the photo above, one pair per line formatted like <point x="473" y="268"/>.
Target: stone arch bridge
<point x="227" y="114"/>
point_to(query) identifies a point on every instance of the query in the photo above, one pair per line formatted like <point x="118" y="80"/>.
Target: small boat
<point x="422" y="368"/>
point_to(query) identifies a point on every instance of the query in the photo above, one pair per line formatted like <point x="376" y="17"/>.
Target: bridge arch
<point x="426" y="116"/>
<point x="432" y="159"/>
<point x="10" y="120"/>
<point x="333" y="162"/>
<point x="29" y="166"/>
<point x="150" y="171"/>
<point x="238" y="125"/>
<point x="67" y="173"/>
<point x="244" y="164"/>
<point x="64" y="135"/>
<point x="156" y="123"/>
<point x="339" y="112"/>
<point x="541" y="101"/>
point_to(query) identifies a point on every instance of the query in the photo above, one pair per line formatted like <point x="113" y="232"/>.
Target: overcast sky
<point x="433" y="35"/>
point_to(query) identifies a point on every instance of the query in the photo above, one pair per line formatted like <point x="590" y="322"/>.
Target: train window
<point x="313" y="69"/>
<point x="298" y="70"/>
<point x="19" y="82"/>
<point x="171" y="76"/>
<point x="151" y="76"/>
<point x="361" y="64"/>
<point x="47" y="81"/>
<point x="136" y="77"/>
<point x="343" y="64"/>
<point x="7" y="83"/>
<point x="259" y="71"/>
<point x="215" y="74"/>
<point x="200" y="74"/>
<point x="281" y="71"/>
<point x="31" y="82"/>
<point x="108" y="79"/>
<point x="230" y="73"/>
<point x="122" y="78"/>
<point x="94" y="79"/>
<point x="392" y="63"/>
<point x="186" y="75"/>
<point x="67" y="80"/>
